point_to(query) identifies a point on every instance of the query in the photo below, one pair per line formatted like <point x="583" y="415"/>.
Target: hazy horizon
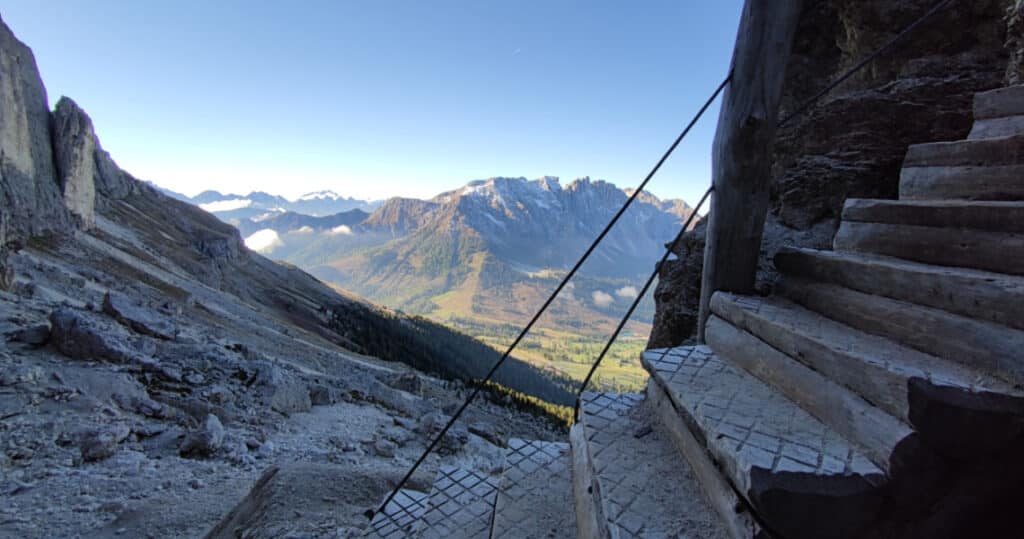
<point x="454" y="187"/>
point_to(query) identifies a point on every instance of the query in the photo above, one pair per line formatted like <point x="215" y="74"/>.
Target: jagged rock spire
<point x="74" y="145"/>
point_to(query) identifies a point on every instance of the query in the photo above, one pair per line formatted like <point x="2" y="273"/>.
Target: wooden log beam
<point x="742" y="148"/>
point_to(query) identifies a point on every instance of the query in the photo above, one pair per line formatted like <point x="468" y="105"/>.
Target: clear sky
<point x="379" y="98"/>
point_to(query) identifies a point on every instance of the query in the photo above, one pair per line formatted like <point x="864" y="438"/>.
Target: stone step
<point x="983" y="346"/>
<point x="628" y="479"/>
<point x="460" y="506"/>
<point x="401" y="517"/>
<point x="535" y="488"/>
<point x="981" y="235"/>
<point x="978" y="294"/>
<point x="802" y="478"/>
<point x="983" y="169"/>
<point x="898" y="380"/>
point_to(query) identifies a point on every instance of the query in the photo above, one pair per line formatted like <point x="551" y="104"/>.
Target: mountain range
<point x="233" y="208"/>
<point x="487" y="252"/>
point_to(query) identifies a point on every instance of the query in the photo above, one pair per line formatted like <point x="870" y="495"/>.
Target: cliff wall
<point x="852" y="143"/>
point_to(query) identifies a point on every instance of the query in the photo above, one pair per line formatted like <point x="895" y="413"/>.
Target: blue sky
<point x="387" y="98"/>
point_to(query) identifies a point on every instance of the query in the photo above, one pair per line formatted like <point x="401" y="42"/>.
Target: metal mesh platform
<point x="461" y="505"/>
<point x="401" y="517"/>
<point x="534" y="500"/>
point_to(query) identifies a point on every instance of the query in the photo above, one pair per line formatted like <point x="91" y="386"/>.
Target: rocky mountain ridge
<point x="512" y="215"/>
<point x="539" y="224"/>
<point x="257" y="205"/>
<point x="487" y="251"/>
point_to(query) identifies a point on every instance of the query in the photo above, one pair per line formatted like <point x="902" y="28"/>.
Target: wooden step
<point x="999" y="103"/>
<point x="998" y="113"/>
<point x="875" y="368"/>
<point x="733" y="510"/>
<point x="937" y="232"/>
<point x="988" y="251"/>
<point x="997" y="127"/>
<point x="802" y="478"/>
<point x="899" y="380"/>
<point x="535" y="486"/>
<point x="877" y="432"/>
<point x="461" y="505"/>
<point x="999" y="151"/>
<point x="984" y="169"/>
<point x="987" y="216"/>
<point x="983" y="346"/>
<point x="963" y="182"/>
<point x="628" y="480"/>
<point x="978" y="294"/>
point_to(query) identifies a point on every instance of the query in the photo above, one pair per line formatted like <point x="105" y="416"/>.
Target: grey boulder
<point x="205" y="440"/>
<point x="137" y="317"/>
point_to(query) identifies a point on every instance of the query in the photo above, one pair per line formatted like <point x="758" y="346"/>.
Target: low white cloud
<point x="602" y="299"/>
<point x="227" y="205"/>
<point x="264" y="241"/>
<point x="340" y="229"/>
<point x="303" y="230"/>
<point x="627" y="292"/>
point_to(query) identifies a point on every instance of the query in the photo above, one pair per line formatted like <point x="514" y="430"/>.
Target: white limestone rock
<point x="29" y="191"/>
<point x="74" y="145"/>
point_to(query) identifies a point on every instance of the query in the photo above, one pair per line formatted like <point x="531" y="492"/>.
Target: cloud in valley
<point x="602" y="299"/>
<point x="340" y="230"/>
<point x="227" y="205"/>
<point x="627" y="292"/>
<point x="264" y="241"/>
<point x="304" y="230"/>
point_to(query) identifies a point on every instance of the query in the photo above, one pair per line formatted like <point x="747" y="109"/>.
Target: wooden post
<point x="742" y="148"/>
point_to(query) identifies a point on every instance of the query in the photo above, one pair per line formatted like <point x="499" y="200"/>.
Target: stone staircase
<point x="877" y="393"/>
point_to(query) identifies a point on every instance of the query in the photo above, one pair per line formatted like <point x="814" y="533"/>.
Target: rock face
<point x="28" y="185"/>
<point x="1015" y="43"/>
<point x="852" y="143"/>
<point x="74" y="144"/>
<point x="674" y="317"/>
<point x="6" y="271"/>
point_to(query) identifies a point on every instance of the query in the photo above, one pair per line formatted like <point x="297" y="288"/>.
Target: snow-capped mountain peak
<point x="325" y="194"/>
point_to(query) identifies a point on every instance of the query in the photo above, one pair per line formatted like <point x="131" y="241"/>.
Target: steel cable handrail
<point x="586" y="255"/>
<point x="803" y="107"/>
<point x="639" y="297"/>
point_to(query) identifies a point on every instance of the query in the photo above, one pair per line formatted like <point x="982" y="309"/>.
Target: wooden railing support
<point x="742" y="148"/>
